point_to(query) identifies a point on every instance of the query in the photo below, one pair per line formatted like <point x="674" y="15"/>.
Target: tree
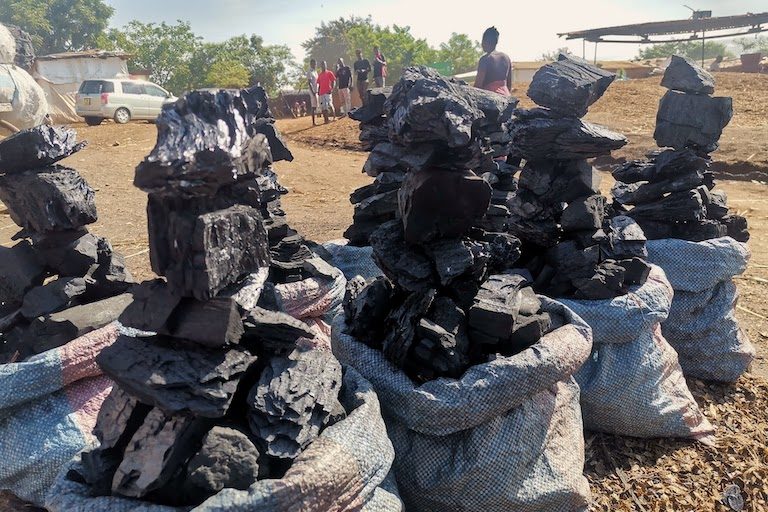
<point x="397" y="44"/>
<point x="461" y="51"/>
<point x="273" y="66"/>
<point x="58" y="25"/>
<point x="690" y="49"/>
<point x="752" y="44"/>
<point x="228" y="74"/>
<point x="331" y="40"/>
<point x="552" y="56"/>
<point x="165" y="50"/>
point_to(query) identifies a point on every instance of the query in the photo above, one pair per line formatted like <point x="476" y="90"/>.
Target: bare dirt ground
<point x="626" y="474"/>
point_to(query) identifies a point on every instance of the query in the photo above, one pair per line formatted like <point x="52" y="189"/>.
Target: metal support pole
<point x="703" y="46"/>
<point x="595" y="53"/>
<point x="584" y="49"/>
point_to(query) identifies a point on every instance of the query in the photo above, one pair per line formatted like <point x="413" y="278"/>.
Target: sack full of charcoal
<point x="353" y="261"/>
<point x="633" y="385"/>
<point x="505" y="435"/>
<point x="702" y="325"/>
<point x="346" y="468"/>
<point x="48" y="408"/>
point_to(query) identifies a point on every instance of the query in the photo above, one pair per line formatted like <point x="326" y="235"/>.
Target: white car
<point x="121" y="100"/>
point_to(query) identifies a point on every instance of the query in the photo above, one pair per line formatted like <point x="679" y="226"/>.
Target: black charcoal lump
<point x="569" y="85"/>
<point x="690" y="120"/>
<point x="20" y="270"/>
<point x="37" y="147"/>
<point x="48" y="199"/>
<point x="295" y="398"/>
<point x="175" y="377"/>
<point x="684" y="75"/>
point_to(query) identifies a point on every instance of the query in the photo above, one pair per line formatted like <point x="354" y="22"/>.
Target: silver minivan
<point x="121" y="100"/>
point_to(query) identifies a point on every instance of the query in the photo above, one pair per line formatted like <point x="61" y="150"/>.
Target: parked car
<point x="121" y="100"/>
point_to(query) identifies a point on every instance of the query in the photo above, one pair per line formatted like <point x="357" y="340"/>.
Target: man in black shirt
<point x="344" y="78"/>
<point x="362" y="68"/>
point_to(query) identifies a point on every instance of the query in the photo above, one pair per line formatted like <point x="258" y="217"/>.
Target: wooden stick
<point x="8" y="126"/>
<point x="752" y="278"/>
<point x="758" y="315"/>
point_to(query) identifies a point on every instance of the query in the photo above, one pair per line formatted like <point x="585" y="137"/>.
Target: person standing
<point x="344" y="77"/>
<point x="326" y="81"/>
<point x="362" y="68"/>
<point x="494" y="70"/>
<point x="379" y="67"/>
<point x="312" y="80"/>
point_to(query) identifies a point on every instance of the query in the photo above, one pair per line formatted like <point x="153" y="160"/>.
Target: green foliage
<point x="461" y="51"/>
<point x="58" y="25"/>
<point x="691" y="49"/>
<point x="752" y="44"/>
<point x="165" y="50"/>
<point x="228" y="74"/>
<point x="341" y="37"/>
<point x="552" y="56"/>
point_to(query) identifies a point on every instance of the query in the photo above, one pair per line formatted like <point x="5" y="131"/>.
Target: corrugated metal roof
<point x="86" y="54"/>
<point x="672" y="27"/>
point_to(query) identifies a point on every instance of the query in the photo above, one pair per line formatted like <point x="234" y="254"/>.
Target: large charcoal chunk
<point x="202" y="254"/>
<point x="690" y="120"/>
<point x="37" y="147"/>
<point x="452" y="258"/>
<point x="176" y="378"/>
<point x="584" y="214"/>
<point x="25" y="50"/>
<point x="227" y="460"/>
<point x="435" y="354"/>
<point x="119" y="418"/>
<point x="381" y="207"/>
<point x="717" y="207"/>
<point x="388" y="157"/>
<point x="203" y="143"/>
<point x="569" y="85"/>
<point x="560" y="180"/>
<point x="693" y="231"/>
<point x="384" y="182"/>
<point x="684" y="75"/>
<point x="625" y="239"/>
<point x="607" y="282"/>
<point x="638" y="193"/>
<point x="248" y="291"/>
<point x="572" y="261"/>
<point x="527" y="332"/>
<point x="53" y="296"/>
<point x="495" y="309"/>
<point x="737" y="227"/>
<point x="540" y="136"/>
<point x="373" y="105"/>
<point x="212" y="323"/>
<point x="367" y="310"/>
<point x="533" y="221"/>
<point x="55" y="330"/>
<point x="273" y="332"/>
<point x="294" y="399"/>
<point x="156" y="451"/>
<point x="446" y="314"/>
<point x="277" y="145"/>
<point x="72" y="254"/>
<point x="636" y="271"/>
<point x="405" y="266"/>
<point x="111" y="275"/>
<point x="438" y="204"/>
<point x="51" y="198"/>
<point x="426" y="107"/>
<point x="152" y="306"/>
<point x="401" y="325"/>
<point x="20" y="270"/>
<point x="680" y="206"/>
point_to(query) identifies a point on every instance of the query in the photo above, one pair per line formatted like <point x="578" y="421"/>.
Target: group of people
<point x="494" y="73"/>
<point x="323" y="83"/>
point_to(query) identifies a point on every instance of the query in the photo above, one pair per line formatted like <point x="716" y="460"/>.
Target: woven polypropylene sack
<point x="702" y="325"/>
<point x="27" y="97"/>
<point x="353" y="261"/>
<point x="314" y="297"/>
<point x="7" y="46"/>
<point x="347" y="468"/>
<point x="48" y="407"/>
<point x="632" y="384"/>
<point x="507" y="436"/>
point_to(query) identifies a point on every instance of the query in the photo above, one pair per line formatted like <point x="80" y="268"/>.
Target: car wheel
<point x="93" y="121"/>
<point x="122" y="115"/>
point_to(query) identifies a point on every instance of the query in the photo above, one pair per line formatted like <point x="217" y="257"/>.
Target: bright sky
<point x="528" y="29"/>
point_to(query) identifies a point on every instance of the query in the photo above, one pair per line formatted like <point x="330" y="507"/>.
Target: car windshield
<point x="96" y="87"/>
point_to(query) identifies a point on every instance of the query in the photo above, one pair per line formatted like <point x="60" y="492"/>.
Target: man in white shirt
<point x="312" y="79"/>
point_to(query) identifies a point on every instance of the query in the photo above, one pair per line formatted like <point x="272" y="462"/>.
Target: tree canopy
<point x="691" y="49"/>
<point x="342" y="36"/>
<point x="58" y="25"/>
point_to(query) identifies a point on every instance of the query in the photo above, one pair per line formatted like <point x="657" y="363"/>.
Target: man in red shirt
<point x="326" y="81"/>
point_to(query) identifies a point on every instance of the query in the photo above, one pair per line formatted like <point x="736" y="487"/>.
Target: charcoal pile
<point x="225" y="388"/>
<point x="572" y="242"/>
<point x="671" y="195"/>
<point x="372" y="117"/>
<point x="449" y="298"/>
<point x="59" y="281"/>
<point x="422" y="136"/>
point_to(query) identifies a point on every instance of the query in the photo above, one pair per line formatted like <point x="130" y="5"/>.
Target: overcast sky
<point x="528" y="28"/>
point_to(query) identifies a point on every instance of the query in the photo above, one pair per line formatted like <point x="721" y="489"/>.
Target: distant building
<point x="523" y="71"/>
<point x="60" y="76"/>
